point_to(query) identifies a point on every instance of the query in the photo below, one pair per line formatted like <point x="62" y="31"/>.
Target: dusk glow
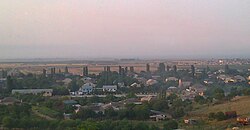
<point x="124" y="28"/>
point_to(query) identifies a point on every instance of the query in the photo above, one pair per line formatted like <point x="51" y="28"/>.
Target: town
<point x="154" y="95"/>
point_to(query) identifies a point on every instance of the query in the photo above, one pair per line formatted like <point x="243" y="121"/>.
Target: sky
<point x="124" y="29"/>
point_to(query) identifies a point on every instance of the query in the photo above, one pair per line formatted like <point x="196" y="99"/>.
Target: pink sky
<point x="124" y="28"/>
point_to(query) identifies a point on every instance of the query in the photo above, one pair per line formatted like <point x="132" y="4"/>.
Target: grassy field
<point x="240" y="104"/>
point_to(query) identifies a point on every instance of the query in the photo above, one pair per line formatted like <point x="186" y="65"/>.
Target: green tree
<point x="10" y="83"/>
<point x="88" y="125"/>
<point x="131" y="95"/>
<point x="211" y="116"/>
<point x="73" y="86"/>
<point x="84" y="114"/>
<point x="220" y="116"/>
<point x="141" y="126"/>
<point x="170" y="125"/>
<point x="153" y="127"/>
<point x="141" y="112"/>
<point x="178" y="112"/>
<point x="219" y="93"/>
<point x="160" y="105"/>
<point x="200" y="99"/>
<point x="8" y="122"/>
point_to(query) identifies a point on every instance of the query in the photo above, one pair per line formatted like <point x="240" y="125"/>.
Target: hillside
<point x="239" y="104"/>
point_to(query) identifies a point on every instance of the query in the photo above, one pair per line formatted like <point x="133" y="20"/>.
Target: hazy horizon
<point x="124" y="29"/>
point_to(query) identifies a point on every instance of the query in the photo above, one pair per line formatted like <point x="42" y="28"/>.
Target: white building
<point x="86" y="88"/>
<point x="109" y="88"/>
<point x="45" y="92"/>
<point x="151" y="82"/>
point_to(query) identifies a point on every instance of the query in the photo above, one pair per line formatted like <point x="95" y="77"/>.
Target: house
<point x="151" y="82"/>
<point x="141" y="80"/>
<point x="86" y="88"/>
<point x="9" y="101"/>
<point x="96" y="107"/>
<point x="184" y="84"/>
<point x="135" y="101"/>
<point x="222" y="77"/>
<point x="158" y="115"/>
<point x="67" y="81"/>
<point x="208" y="82"/>
<point x="147" y="99"/>
<point x="77" y="107"/>
<point x="239" y="78"/>
<point x="45" y="92"/>
<point x="2" y="82"/>
<point x="171" y="90"/>
<point x="156" y="77"/>
<point x="198" y="89"/>
<point x="248" y="78"/>
<point x="172" y="79"/>
<point x="67" y="116"/>
<point x="230" y="80"/>
<point x="114" y="105"/>
<point x="135" y="85"/>
<point x="70" y="102"/>
<point x="87" y="80"/>
<point x="190" y="121"/>
<point x="121" y="85"/>
<point x="243" y="120"/>
<point x="109" y="88"/>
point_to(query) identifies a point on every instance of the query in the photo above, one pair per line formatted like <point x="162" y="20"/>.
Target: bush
<point x="220" y="116"/>
<point x="211" y="116"/>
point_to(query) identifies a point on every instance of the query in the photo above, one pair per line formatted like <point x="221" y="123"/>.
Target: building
<point x="120" y="70"/>
<point x="70" y="102"/>
<point x="67" y="81"/>
<point x="159" y="116"/>
<point x="135" y="101"/>
<point x="175" y="68"/>
<point x="135" y="85"/>
<point x="96" y="107"/>
<point x="2" y="82"/>
<point x="9" y="101"/>
<point x="45" y="92"/>
<point x="85" y="71"/>
<point x="172" y="79"/>
<point x="44" y="72"/>
<point x="66" y="70"/>
<point x="109" y="88"/>
<point x="171" y="90"/>
<point x="3" y="74"/>
<point x="190" y="121"/>
<point x="243" y="120"/>
<point x="52" y="71"/>
<point x="161" y="67"/>
<point x="192" y="70"/>
<point x="147" y="99"/>
<point x="107" y="68"/>
<point x="148" y="68"/>
<point x="86" y="88"/>
<point x="168" y="68"/>
<point x="151" y="82"/>
<point x="239" y="78"/>
<point x="131" y="69"/>
<point x="184" y="84"/>
<point x="116" y="106"/>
